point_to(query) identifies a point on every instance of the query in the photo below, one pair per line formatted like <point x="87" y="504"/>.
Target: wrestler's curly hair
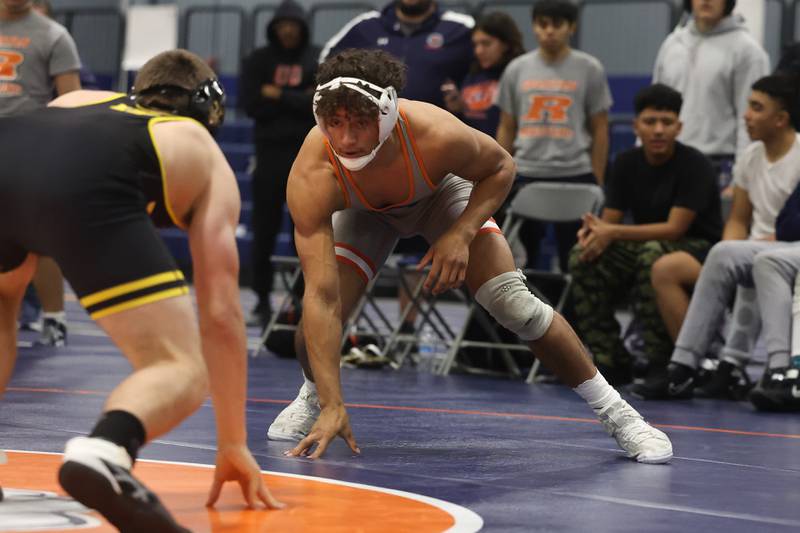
<point x="375" y="66"/>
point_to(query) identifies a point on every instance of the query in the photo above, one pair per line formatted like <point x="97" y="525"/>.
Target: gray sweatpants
<point x="729" y="270"/>
<point x="796" y="318"/>
<point x="774" y="273"/>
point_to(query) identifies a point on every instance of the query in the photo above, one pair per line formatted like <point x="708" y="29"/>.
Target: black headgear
<point x="205" y="103"/>
<point x="729" y="5"/>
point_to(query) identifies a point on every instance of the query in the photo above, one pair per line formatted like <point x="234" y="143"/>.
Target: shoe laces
<point x="628" y="425"/>
<point x="308" y="403"/>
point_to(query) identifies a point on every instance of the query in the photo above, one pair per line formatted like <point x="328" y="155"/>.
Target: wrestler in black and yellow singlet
<point x="84" y="186"/>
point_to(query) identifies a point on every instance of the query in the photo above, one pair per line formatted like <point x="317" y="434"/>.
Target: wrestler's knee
<point x="508" y="300"/>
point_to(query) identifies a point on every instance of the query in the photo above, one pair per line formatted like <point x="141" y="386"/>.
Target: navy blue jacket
<point x="478" y="92"/>
<point x="438" y="51"/>
<point x="787" y="225"/>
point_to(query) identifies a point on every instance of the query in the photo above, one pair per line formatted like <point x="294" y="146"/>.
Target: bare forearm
<point x="600" y="156"/>
<point x="225" y="353"/>
<point x="323" y="334"/>
<point x="646" y="232"/>
<point x="734" y="231"/>
<point x="505" y="137"/>
<point x="487" y="197"/>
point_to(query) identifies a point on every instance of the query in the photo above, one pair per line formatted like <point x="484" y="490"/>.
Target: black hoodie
<point x="290" y="117"/>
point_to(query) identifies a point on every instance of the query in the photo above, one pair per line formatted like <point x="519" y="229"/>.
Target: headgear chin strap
<point x="388" y="111"/>
<point x="205" y="103"/>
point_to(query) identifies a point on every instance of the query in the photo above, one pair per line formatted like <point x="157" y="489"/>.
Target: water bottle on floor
<point x="432" y="350"/>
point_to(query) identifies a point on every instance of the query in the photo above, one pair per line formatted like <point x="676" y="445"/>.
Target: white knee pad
<point x="508" y="300"/>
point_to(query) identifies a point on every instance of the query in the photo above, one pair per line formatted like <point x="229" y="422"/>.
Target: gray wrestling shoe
<point x="639" y="439"/>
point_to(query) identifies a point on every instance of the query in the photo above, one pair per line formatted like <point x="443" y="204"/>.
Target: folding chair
<point x="398" y="345"/>
<point x="289" y="271"/>
<point x="543" y="202"/>
<point x="368" y="318"/>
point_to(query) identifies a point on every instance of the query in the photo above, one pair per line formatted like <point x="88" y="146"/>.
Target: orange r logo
<point x="555" y="107"/>
<point x="8" y="64"/>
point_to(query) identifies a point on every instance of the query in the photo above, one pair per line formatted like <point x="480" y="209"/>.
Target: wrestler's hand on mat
<point x="332" y="421"/>
<point x="448" y="257"/>
<point x="236" y="463"/>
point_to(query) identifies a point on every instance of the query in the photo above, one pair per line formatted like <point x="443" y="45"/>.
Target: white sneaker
<point x="294" y="423"/>
<point x="639" y="439"/>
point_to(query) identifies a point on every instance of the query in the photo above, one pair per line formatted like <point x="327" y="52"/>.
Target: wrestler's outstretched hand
<point x="236" y="463"/>
<point x="332" y="421"/>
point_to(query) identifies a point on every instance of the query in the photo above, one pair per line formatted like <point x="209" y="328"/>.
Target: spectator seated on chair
<point x="764" y="176"/>
<point x="774" y="279"/>
<point x="671" y="192"/>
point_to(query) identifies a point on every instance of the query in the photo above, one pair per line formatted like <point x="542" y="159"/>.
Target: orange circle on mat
<point x="313" y="504"/>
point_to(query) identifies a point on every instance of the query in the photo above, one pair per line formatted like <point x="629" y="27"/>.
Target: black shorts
<point x="82" y="198"/>
<point x="112" y="266"/>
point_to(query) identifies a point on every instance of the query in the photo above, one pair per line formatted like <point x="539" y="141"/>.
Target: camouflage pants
<point x="622" y="275"/>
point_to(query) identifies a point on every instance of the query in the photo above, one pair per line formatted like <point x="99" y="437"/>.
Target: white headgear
<point x="388" y="111"/>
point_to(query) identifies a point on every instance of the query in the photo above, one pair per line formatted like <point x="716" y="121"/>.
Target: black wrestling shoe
<point x="96" y="473"/>
<point x="54" y="333"/>
<point x="729" y="382"/>
<point x="777" y="391"/>
<point x="618" y="375"/>
<point x="676" y="382"/>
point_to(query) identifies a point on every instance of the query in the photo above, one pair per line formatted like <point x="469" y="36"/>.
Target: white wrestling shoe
<point x="639" y="439"/>
<point x="294" y="423"/>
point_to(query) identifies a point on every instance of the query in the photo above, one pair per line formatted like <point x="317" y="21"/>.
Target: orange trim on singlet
<point x="417" y="153"/>
<point x="409" y="173"/>
<point x="490" y="226"/>
<point x="358" y="253"/>
<point x="354" y="265"/>
<point x="339" y="177"/>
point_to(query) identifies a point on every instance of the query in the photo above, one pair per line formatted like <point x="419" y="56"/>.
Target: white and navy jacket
<point x="438" y="51"/>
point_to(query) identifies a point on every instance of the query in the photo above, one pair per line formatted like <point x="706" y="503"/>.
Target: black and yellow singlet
<point x="85" y="186"/>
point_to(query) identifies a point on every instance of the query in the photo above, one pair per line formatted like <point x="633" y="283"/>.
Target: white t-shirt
<point x="767" y="184"/>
